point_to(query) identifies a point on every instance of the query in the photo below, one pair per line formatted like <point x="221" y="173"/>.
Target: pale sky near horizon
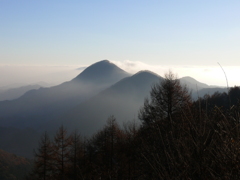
<point x="193" y="34"/>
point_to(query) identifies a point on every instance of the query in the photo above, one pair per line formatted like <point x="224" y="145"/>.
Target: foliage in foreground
<point x="177" y="139"/>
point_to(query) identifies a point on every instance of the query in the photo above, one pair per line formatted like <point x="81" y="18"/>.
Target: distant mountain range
<point x="85" y="102"/>
<point x="122" y="100"/>
<point x="36" y="107"/>
<point x="14" y="93"/>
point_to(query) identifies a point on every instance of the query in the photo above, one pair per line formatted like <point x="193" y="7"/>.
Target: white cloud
<point x="212" y="75"/>
<point x="22" y="75"/>
<point x="135" y="66"/>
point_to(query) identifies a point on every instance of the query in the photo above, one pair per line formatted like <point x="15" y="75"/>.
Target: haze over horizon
<point x="49" y="40"/>
<point x="19" y="75"/>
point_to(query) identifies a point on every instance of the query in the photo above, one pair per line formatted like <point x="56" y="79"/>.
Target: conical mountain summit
<point x="46" y="103"/>
<point x="102" y="72"/>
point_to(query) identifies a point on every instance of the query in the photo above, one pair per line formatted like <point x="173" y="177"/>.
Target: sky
<point x="39" y="38"/>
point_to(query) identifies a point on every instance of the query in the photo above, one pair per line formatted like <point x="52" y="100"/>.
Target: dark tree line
<point x="177" y="139"/>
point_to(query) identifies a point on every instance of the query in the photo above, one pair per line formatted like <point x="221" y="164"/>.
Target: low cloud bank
<point x="16" y="75"/>
<point x="211" y="75"/>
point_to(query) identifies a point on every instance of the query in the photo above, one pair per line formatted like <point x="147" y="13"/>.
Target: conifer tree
<point x="168" y="97"/>
<point x="61" y="145"/>
<point x="76" y="156"/>
<point x="43" y="165"/>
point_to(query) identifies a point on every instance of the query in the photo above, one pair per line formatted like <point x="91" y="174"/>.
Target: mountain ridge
<point x="123" y="100"/>
<point x="44" y="103"/>
<point x="85" y="102"/>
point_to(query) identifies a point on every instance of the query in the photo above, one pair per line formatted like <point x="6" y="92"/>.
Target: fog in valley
<point x="119" y="90"/>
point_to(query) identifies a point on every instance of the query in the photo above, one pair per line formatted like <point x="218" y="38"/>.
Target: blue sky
<point x="158" y="33"/>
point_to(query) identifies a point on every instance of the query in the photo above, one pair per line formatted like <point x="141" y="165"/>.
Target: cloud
<point x="135" y="66"/>
<point x="25" y="74"/>
<point x="212" y="75"/>
<point x="81" y="68"/>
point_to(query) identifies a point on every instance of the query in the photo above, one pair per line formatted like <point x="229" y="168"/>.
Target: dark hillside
<point x="13" y="167"/>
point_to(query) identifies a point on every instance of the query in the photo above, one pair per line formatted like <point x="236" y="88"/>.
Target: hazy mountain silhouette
<point x="122" y="100"/>
<point x="101" y="73"/>
<point x="210" y="91"/>
<point x="84" y="103"/>
<point x="36" y="107"/>
<point x="15" y="93"/>
<point x="199" y="89"/>
<point x="192" y="83"/>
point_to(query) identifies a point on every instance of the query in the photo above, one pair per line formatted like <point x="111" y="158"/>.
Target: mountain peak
<point x="193" y="83"/>
<point x="104" y="61"/>
<point x="102" y="72"/>
<point x="146" y="72"/>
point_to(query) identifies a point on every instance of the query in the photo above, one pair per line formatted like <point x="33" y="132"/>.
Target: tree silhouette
<point x="76" y="156"/>
<point x="168" y="97"/>
<point x="43" y="165"/>
<point x="177" y="139"/>
<point x="61" y="147"/>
